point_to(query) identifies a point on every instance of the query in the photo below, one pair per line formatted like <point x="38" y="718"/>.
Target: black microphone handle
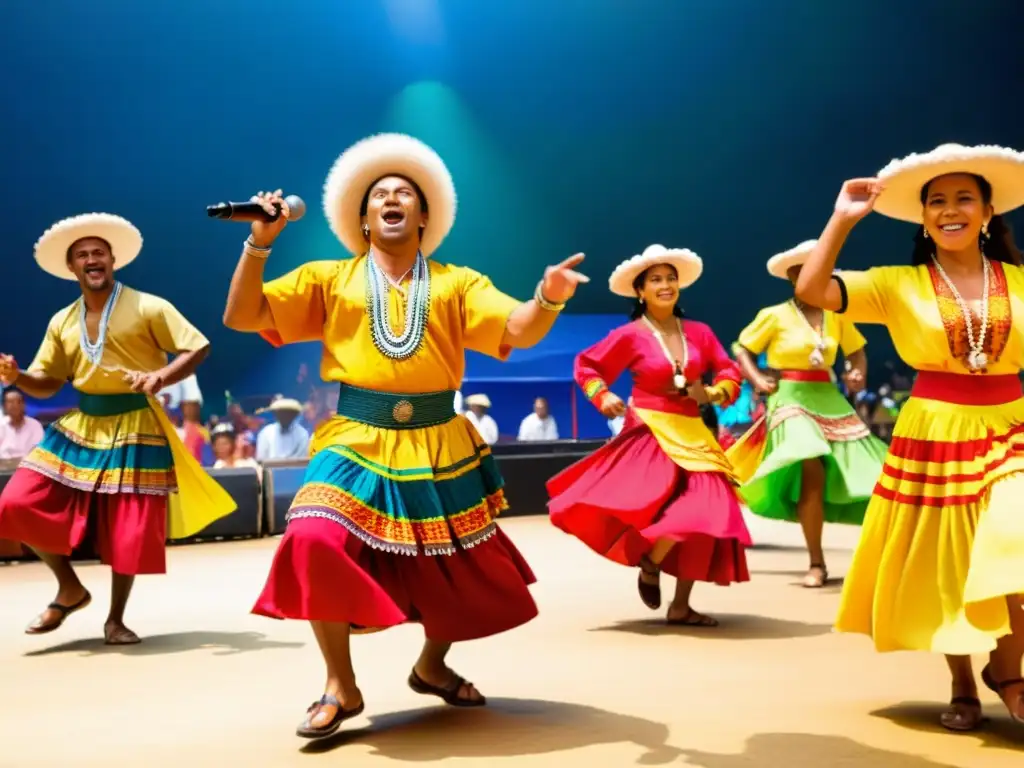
<point x="243" y="212"/>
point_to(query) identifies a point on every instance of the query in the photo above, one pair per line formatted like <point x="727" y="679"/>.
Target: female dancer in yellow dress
<point x="940" y="564"/>
<point x="810" y="458"/>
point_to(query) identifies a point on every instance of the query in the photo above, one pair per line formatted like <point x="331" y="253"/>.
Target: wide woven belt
<point x="388" y="410"/>
<point x="111" y="405"/>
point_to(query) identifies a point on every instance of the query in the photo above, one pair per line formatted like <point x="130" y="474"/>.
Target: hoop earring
<point x="924" y="232"/>
<point x="366" y="231"/>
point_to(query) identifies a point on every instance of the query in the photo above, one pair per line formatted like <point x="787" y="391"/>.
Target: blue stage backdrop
<point x="578" y="125"/>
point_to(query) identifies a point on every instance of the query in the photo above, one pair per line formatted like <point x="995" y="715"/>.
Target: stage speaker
<point x="281" y="481"/>
<point x="243" y="484"/>
<point x="526" y="475"/>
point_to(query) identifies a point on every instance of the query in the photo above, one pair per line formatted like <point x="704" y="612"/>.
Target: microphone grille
<point x="296" y="207"/>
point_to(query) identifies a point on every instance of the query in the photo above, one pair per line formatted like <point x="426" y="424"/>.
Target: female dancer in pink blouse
<point x="660" y="494"/>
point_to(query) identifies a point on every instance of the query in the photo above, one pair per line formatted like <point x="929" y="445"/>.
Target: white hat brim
<point x="688" y="266"/>
<point x="388" y="154"/>
<point x="904" y="179"/>
<point x="482" y="400"/>
<point x="51" y="250"/>
<point x="780" y="264"/>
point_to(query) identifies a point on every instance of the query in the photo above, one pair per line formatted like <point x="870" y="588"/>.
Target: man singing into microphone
<point x="395" y="521"/>
<point x="111" y="465"/>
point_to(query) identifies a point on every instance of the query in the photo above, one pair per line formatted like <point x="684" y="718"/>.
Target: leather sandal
<point x="307" y="731"/>
<point x="998" y="688"/>
<point x="649" y="593"/>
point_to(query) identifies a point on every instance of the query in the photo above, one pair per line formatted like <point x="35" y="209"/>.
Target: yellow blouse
<point x="789" y="341"/>
<point x="326" y="301"/>
<point x="926" y="323"/>
<point x="143" y="330"/>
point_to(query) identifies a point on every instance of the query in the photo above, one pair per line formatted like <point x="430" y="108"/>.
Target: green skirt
<point x="809" y="420"/>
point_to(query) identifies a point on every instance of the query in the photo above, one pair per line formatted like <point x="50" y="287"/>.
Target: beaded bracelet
<point x="251" y="249"/>
<point x="538" y="296"/>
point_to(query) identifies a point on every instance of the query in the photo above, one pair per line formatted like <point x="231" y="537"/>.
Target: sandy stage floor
<point x="595" y="681"/>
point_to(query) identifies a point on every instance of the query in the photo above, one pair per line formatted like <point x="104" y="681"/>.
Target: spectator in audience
<point x="478" y="405"/>
<point x="225" y="450"/>
<point x="539" y="425"/>
<point x="284" y="439"/>
<point x="245" y="431"/>
<point x="19" y="433"/>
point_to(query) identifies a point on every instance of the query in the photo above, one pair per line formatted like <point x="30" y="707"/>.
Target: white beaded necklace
<point x="679" y="376"/>
<point x="94" y="351"/>
<point x="976" y="357"/>
<point x="817" y="356"/>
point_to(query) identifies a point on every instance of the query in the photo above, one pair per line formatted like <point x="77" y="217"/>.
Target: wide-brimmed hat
<point x="388" y="154"/>
<point x="478" y="399"/>
<point x="688" y="266"/>
<point x="52" y="248"/>
<point x="903" y="179"/>
<point x="780" y="264"/>
<point x="282" y="404"/>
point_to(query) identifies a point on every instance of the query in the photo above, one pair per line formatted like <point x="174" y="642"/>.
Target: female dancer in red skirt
<point x="660" y="494"/>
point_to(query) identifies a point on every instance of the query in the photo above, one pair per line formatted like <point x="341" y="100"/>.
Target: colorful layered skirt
<point x="943" y="540"/>
<point x="808" y="418"/>
<point x="395" y="522"/>
<point x="105" y="470"/>
<point x="663" y="476"/>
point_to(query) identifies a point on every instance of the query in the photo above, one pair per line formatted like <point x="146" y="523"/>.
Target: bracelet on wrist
<point x="544" y="304"/>
<point x="251" y="249"/>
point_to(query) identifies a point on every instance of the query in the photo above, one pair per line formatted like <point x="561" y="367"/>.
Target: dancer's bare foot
<point x="685" y="616"/>
<point x="69" y="600"/>
<point x="116" y="633"/>
<point x="451" y="688"/>
<point x="325" y="716"/>
<point x="817" y="576"/>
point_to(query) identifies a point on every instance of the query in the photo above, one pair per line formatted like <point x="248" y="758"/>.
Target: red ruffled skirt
<point x="628" y="494"/>
<point x="323" y="572"/>
<point x="129" y="529"/>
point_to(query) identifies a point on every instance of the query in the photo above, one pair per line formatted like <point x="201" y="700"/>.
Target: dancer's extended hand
<point x="766" y="385"/>
<point x="560" y="281"/>
<point x="147" y="383"/>
<point x="611" y="405"/>
<point x="857" y="198"/>
<point x="264" y="233"/>
<point x="8" y="370"/>
<point x="698" y="392"/>
<point x="854" y="380"/>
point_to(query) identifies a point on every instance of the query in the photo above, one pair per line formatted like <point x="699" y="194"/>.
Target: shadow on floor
<point x="732" y="626"/>
<point x="998" y="732"/>
<point x="805" y="750"/>
<point x="505" y="728"/>
<point x="222" y="644"/>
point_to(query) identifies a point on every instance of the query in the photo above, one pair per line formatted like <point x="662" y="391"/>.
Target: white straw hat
<point x="780" y="264"/>
<point x="388" y="154"/>
<point x="688" y="266"/>
<point x="51" y="249"/>
<point x="904" y="179"/>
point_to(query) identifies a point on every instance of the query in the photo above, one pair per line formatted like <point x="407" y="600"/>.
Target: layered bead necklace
<point x="976" y="357"/>
<point x="817" y="356"/>
<point x="417" y="311"/>
<point x="93" y="351"/>
<point x="678" y="377"/>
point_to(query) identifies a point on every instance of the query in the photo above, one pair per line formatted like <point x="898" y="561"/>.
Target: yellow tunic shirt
<point x="142" y="331"/>
<point x="326" y="301"/>
<point x="789" y="341"/>
<point x="920" y="322"/>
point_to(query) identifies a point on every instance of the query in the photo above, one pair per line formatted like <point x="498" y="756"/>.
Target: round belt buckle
<point x="402" y="412"/>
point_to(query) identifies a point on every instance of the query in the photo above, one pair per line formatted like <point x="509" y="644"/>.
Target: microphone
<point x="255" y="212"/>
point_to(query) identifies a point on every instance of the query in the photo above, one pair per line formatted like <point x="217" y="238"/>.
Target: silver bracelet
<point x="251" y="249"/>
